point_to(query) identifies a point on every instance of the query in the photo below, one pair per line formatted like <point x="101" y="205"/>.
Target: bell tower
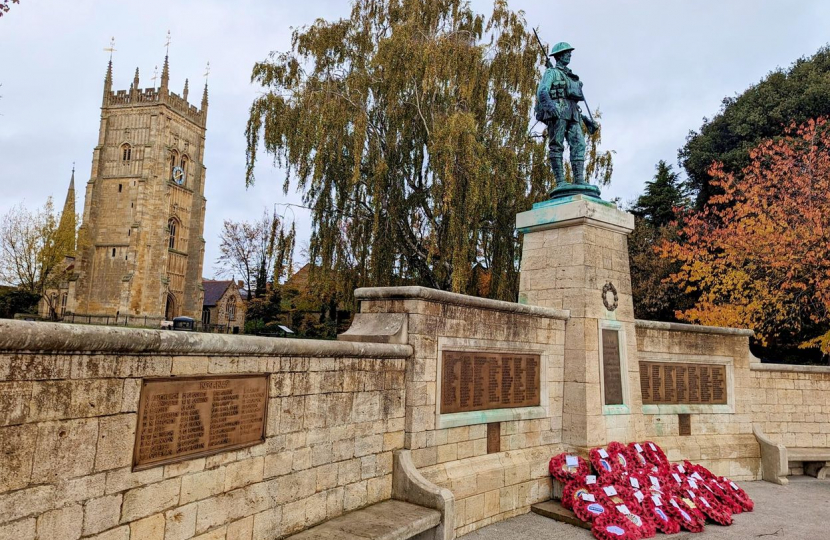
<point x="142" y="248"/>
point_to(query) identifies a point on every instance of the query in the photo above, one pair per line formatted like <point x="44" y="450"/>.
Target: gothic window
<point x="64" y="297"/>
<point x="174" y="158"/>
<point x="126" y="153"/>
<point x="231" y="309"/>
<point x="173" y="226"/>
<point x="185" y="161"/>
<point x="205" y="316"/>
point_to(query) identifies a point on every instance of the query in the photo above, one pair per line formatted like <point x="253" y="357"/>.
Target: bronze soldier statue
<point x="557" y="105"/>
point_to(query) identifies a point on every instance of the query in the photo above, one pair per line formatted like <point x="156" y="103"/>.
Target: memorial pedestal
<point x="575" y="257"/>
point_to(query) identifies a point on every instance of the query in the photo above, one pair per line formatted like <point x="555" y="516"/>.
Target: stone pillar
<point x="575" y="257"/>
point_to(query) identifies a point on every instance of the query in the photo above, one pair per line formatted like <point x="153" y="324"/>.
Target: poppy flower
<point x="614" y="526"/>
<point x="573" y="492"/>
<point x="685" y="517"/>
<point x="714" y="510"/>
<point x="655" y="455"/>
<point x="565" y="467"/>
<point x="588" y="511"/>
<point x="604" y="464"/>
<point x="660" y="515"/>
<point x="737" y="493"/>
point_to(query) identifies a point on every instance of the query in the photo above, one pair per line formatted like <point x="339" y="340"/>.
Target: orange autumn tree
<point x="758" y="256"/>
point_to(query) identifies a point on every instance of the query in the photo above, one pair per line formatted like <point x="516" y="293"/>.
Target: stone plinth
<point x="575" y="248"/>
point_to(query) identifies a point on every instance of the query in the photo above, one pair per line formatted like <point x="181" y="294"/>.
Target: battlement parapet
<point x="155" y="96"/>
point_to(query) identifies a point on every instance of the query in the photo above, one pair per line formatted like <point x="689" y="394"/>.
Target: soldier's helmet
<point x="560" y="48"/>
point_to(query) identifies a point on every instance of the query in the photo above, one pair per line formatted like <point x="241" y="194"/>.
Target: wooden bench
<point x="418" y="510"/>
<point x="776" y="459"/>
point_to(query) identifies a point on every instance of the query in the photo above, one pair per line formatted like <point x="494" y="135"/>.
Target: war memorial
<point x="435" y="415"/>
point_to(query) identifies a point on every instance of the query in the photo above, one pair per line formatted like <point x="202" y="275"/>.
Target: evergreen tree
<point x="663" y="195"/>
<point x="656" y="216"/>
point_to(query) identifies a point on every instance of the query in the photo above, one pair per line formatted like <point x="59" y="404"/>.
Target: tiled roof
<point x="214" y="291"/>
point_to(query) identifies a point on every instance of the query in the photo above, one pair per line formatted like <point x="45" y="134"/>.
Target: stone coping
<point x="679" y="327"/>
<point x="444" y="297"/>
<point x="792" y="368"/>
<point x="60" y="337"/>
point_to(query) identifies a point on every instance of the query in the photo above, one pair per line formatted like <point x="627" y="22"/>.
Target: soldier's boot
<point x="578" y="170"/>
<point x="558" y="169"/>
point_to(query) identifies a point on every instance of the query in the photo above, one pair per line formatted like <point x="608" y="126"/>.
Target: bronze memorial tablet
<point x="184" y="418"/>
<point x="478" y="381"/>
<point x="669" y="383"/>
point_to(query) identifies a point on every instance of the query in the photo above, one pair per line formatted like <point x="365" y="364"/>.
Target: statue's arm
<point x="544" y="94"/>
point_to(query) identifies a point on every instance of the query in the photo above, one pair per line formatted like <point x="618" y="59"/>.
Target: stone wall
<point x="68" y="402"/>
<point x="790" y="404"/>
<point x="721" y="436"/>
<point x="451" y="450"/>
<point x="337" y="411"/>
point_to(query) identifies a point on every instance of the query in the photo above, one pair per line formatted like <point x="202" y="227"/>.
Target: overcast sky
<point x="654" y="67"/>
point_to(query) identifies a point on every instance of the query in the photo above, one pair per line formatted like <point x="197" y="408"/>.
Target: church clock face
<point x="178" y="175"/>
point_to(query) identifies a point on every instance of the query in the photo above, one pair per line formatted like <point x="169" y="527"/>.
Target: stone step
<point x="554" y="510"/>
<point x="388" y="520"/>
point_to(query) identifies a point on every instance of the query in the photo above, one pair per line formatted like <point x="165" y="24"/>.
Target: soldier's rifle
<point x="548" y="65"/>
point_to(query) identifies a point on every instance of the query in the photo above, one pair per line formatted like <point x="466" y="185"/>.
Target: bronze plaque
<point x="184" y="418"/>
<point x="670" y="383"/>
<point x="611" y="368"/>
<point x="479" y="381"/>
<point x="494" y="437"/>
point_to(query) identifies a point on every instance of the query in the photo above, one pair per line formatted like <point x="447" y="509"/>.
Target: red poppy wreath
<point x="660" y="515"/>
<point x="614" y="526"/>
<point x="565" y="467"/>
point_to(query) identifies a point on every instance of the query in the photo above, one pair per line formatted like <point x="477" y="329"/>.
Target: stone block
<point x="121" y="533"/>
<point x="355" y="496"/>
<point x="124" y="479"/>
<point x="116" y="438"/>
<point x="18" y="449"/>
<point x="184" y="467"/>
<point x="149" y="528"/>
<point x="95" y="397"/>
<point x="15" y="399"/>
<point x="180" y="523"/>
<point x="64" y="450"/>
<point x="243" y="473"/>
<point x="267" y="525"/>
<point x="130" y="395"/>
<point x="33" y="367"/>
<point x="195" y="487"/>
<point x="25" y="502"/>
<point x="348" y="472"/>
<point x="315" y="510"/>
<point x="277" y="464"/>
<point x="292" y="487"/>
<point x="326" y="476"/>
<point x="189" y="365"/>
<point x="148" y="500"/>
<point x="64" y="523"/>
<point x="242" y="529"/>
<point x="73" y="490"/>
<point x="101" y="514"/>
<point x="293" y="517"/>
<point x="19" y="530"/>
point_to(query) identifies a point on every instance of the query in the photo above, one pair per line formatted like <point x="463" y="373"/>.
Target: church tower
<point x="141" y="248"/>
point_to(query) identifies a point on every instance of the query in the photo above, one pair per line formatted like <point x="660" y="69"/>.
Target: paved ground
<point x="798" y="511"/>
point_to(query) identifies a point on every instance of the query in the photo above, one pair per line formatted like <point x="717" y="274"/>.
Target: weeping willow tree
<point x="406" y="127"/>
